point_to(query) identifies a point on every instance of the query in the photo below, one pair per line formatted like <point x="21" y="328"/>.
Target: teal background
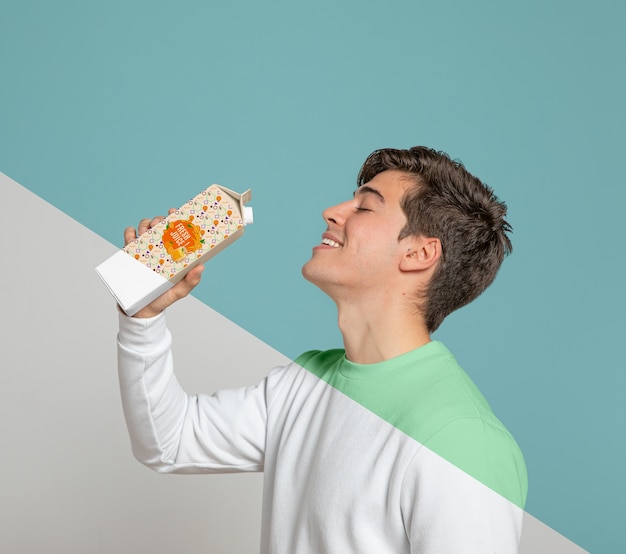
<point x="116" y="110"/>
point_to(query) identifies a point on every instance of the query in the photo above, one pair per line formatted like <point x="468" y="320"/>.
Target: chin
<point x="321" y="280"/>
<point x="308" y="272"/>
<point x="313" y="273"/>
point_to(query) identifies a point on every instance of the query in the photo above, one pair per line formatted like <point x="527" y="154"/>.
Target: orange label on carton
<point x="181" y="237"/>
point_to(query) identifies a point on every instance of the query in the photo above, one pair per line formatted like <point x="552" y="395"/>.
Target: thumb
<point x="178" y="291"/>
<point x="188" y="283"/>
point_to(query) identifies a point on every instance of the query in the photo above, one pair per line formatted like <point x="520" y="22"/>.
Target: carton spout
<point x="248" y="215"/>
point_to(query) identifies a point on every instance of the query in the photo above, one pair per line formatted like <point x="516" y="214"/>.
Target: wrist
<point x="146" y="313"/>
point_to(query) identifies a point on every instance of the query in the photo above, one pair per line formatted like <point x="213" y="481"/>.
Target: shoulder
<point x="296" y="374"/>
<point x="484" y="448"/>
<point x="445" y="411"/>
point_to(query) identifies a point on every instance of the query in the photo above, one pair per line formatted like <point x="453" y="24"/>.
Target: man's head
<point x="446" y="202"/>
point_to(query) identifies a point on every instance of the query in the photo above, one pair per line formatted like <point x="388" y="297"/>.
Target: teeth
<point x="330" y="242"/>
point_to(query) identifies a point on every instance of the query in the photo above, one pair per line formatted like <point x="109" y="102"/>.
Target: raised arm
<point x="170" y="430"/>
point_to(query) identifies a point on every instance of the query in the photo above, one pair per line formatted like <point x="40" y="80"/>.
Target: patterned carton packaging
<point x="185" y="236"/>
<point x="163" y="255"/>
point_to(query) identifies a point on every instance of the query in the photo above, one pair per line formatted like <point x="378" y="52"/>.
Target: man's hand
<point x="179" y="290"/>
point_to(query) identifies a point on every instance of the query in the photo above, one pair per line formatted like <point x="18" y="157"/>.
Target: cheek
<point x="376" y="250"/>
<point x="370" y="234"/>
<point x="383" y="237"/>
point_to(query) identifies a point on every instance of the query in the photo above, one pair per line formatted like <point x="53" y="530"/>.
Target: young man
<point x="383" y="447"/>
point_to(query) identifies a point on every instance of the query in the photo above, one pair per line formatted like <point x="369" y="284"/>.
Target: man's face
<point x="360" y="252"/>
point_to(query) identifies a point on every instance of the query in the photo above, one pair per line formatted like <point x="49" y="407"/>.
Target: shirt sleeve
<point x="448" y="511"/>
<point x="173" y="432"/>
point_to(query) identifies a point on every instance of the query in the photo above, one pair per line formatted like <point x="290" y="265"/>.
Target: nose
<point x="337" y="214"/>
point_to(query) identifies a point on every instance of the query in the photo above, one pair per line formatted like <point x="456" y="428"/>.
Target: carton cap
<point x="248" y="216"/>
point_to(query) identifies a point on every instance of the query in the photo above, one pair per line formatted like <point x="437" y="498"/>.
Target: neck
<point x="378" y="331"/>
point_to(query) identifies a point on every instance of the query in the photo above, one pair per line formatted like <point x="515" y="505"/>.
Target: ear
<point x="420" y="253"/>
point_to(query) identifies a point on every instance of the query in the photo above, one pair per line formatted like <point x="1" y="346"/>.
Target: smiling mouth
<point x="330" y="242"/>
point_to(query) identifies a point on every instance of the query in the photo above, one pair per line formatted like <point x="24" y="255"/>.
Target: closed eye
<point x="359" y="209"/>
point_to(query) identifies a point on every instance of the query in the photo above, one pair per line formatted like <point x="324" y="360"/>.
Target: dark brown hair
<point x="450" y="204"/>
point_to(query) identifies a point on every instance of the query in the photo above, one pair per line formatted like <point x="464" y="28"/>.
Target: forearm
<point x="172" y="431"/>
<point x="153" y="401"/>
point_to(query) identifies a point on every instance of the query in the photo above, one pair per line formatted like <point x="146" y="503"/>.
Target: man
<point x="383" y="447"/>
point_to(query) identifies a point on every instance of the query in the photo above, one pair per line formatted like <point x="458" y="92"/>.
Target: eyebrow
<point x="365" y="189"/>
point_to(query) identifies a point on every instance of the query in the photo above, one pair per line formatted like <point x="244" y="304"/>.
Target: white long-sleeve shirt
<point x="404" y="456"/>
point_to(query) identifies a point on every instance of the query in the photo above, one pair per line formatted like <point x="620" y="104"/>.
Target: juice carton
<point x="162" y="256"/>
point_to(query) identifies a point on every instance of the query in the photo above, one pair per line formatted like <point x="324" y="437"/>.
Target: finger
<point x="156" y="220"/>
<point x="191" y="281"/>
<point x="171" y="211"/>
<point x="194" y="277"/>
<point x="147" y="223"/>
<point x="143" y="226"/>
<point x="129" y="235"/>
